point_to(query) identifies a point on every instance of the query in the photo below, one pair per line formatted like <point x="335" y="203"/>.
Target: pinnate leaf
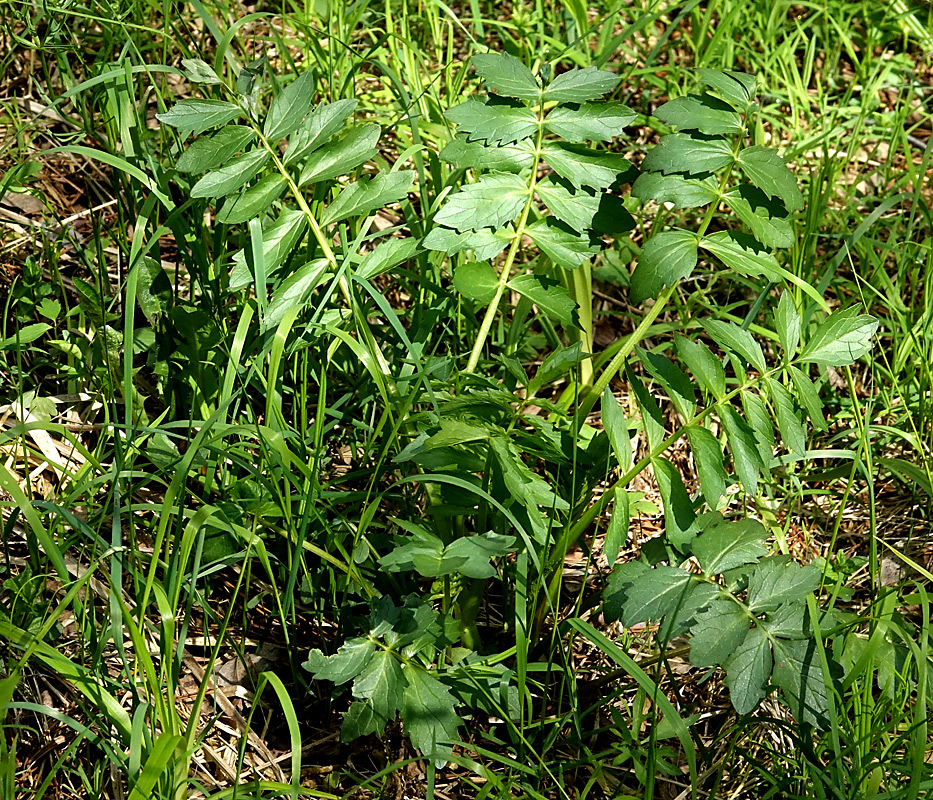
<point x="196" y="116"/>
<point x="736" y="88"/>
<point x="368" y="194"/>
<point x="744" y="448"/>
<point x="679" y="192"/>
<point x="798" y="673"/>
<point x="341" y="156"/>
<point x="703" y="365"/>
<point x="494" y="123"/>
<point x="549" y="296"/>
<point x="348" y="662"/>
<point x="765" y="217"/>
<point x="767" y="170"/>
<point x="590" y="122"/>
<point x="295" y="290"/>
<point x="464" y="154"/>
<point x="778" y="580"/>
<point x="737" y="340"/>
<point x="744" y="254"/>
<point x="580" y="85"/>
<point x="666" y="258"/>
<point x="508" y="76"/>
<point x="232" y="176"/>
<point x="787" y="320"/>
<point x="680" y="520"/>
<point x="476" y="280"/>
<point x="842" y="338"/>
<point x="585" y="209"/>
<point x="495" y="199"/>
<point x="559" y="242"/>
<point x="290" y="107"/>
<point x="748" y="670"/>
<point x="679" y="153"/>
<point x="253" y="201"/>
<point x="724" y="545"/>
<point x="718" y="632"/>
<point x="212" y="151"/>
<point x="428" y="714"/>
<point x="485" y="243"/>
<point x="584" y="167"/>
<point x="707" y="453"/>
<point x="318" y="127"/>
<point x="703" y="113"/>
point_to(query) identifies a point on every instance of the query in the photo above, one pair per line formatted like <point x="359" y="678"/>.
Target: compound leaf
<point x="718" y="632"/>
<point x="682" y="154"/>
<point x="485" y="243"/>
<point x="549" y="296"/>
<point x="367" y="194"/>
<point x="341" y="156"/>
<point x="290" y="107"/>
<point x="700" y="112"/>
<point x="666" y="258"/>
<point x="495" y="199"/>
<point x="381" y="682"/>
<point x="590" y="122"/>
<point x="494" y="123"/>
<point x="766" y="218"/>
<point x="583" y="209"/>
<point x="743" y="253"/>
<point x="655" y="593"/>
<point x="736" y="88"/>
<point x="843" y="337"/>
<point x="196" y="116"/>
<point x="703" y="364"/>
<point x="679" y="517"/>
<point x="318" y="127"/>
<point x="232" y="176"/>
<point x="744" y="448"/>
<point x="679" y="192"/>
<point x="767" y="170"/>
<point x="580" y="85"/>
<point x="737" y="340"/>
<point x="748" y="670"/>
<point x="253" y="201"/>
<point x="508" y="76"/>
<point x="563" y="245"/>
<point x="787" y="321"/>
<point x="726" y="544"/>
<point x="464" y="154"/>
<point x="212" y="151"/>
<point x="778" y="580"/>
<point x="798" y="673"/>
<point x="428" y="714"/>
<point x="344" y="665"/>
<point x="707" y="453"/>
<point x="584" y="167"/>
<point x="476" y="280"/>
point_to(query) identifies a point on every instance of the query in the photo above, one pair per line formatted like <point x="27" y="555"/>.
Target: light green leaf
<point x="767" y="170"/>
<point x="495" y="199"/>
<point x="464" y="154"/>
<point x="508" y="76"/>
<point x="523" y="483"/>
<point x="736" y="88"/>
<point x="584" y="167"/>
<point x="737" y="340"/>
<point x="549" y="296"/>
<point x="232" y="176"/>
<point x="341" y="156"/>
<point x="766" y="218"/>
<point x="580" y="85"/>
<point x="428" y="714"/>
<point x="842" y="338"/>
<point x="682" y="154"/>
<point x="25" y="335"/>
<point x="744" y="254"/>
<point x="792" y="430"/>
<point x="809" y="397"/>
<point x="616" y="427"/>
<point x="348" y="662"/>
<point x="559" y="242"/>
<point x="476" y="553"/>
<point x="700" y="112"/>
<point x="476" y="280"/>
<point x="386" y="255"/>
<point x="798" y="673"/>
<point x="748" y="670"/>
<point x="212" y="151"/>
<point x="707" y="453"/>
<point x="251" y="202"/>
<point x="290" y="107"/>
<point x="278" y="239"/>
<point x="778" y="580"/>
<point x="787" y="321"/>
<point x="318" y="127"/>
<point x="583" y="209"/>
<point x="590" y="122"/>
<point x="295" y="290"/>
<point x="557" y="365"/>
<point x="617" y="531"/>
<point x="718" y="632"/>
<point x="679" y="517"/>
<point x="367" y="194"/>
<point x="744" y="448"/>
<point x="153" y="293"/>
<point x="679" y="192"/>
<point x="485" y="243"/>
<point x="726" y="544"/>
<point x="491" y="122"/>
<point x="199" y="71"/>
<point x="666" y="258"/>
<point x="196" y="116"/>
<point x="381" y="682"/>
<point x="703" y="365"/>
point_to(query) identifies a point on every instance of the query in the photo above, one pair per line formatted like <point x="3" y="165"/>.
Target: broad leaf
<point x="278" y="239"/>
<point x="616" y="427"/>
<point x="253" y="201"/>
<point x="679" y="153"/>
<point x="507" y="76"/>
<point x="744" y="448"/>
<point x="787" y="321"/>
<point x="385" y="256"/>
<point x="767" y="170"/>
<point x="196" y="116"/>
<point x="212" y="151"/>
<point x="428" y="714"/>
<point x="778" y="580"/>
<point x="703" y="365"/>
<point x="495" y="199"/>
<point x="678" y="386"/>
<point x="199" y="71"/>
<point x="294" y="291"/>
<point x="381" y="683"/>
<point x="703" y="113"/>
<point x="485" y="243"/>
<point x="718" y="632"/>
<point x="809" y="397"/>
<point x="348" y="662"/>
<point x="549" y="296"/>
<point x="590" y="122"/>
<point x="680" y="520"/>
<point x="748" y="670"/>
<point x="340" y="156"/>
<point x="583" y="209"/>
<point x="736" y="88"/>
<point x="584" y="167"/>
<point x="792" y="430"/>
<point x="318" y="127"/>
<point x="842" y="338"/>
<point x="798" y="673"/>
<point x="744" y="254"/>
<point x="494" y="123"/>
<point x="477" y="552"/>
<point x="476" y="280"/>
<point x="232" y="176"/>
<point x="290" y="107"/>
<point x="464" y="154"/>
<point x="360" y="720"/>
<point x="523" y="483"/>
<point x="766" y="218"/>
<point x="726" y="544"/>
<point x="666" y="258"/>
<point x="655" y="593"/>
<point x="736" y="340"/>
<point x="707" y="453"/>
<point x="679" y="192"/>
<point x="559" y="242"/>
<point x="580" y="85"/>
<point x="153" y="293"/>
<point x="368" y="194"/>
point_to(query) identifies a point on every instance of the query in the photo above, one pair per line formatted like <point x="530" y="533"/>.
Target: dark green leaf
<point x="744" y="254"/>
<point x="787" y="320"/>
<point x="381" y="682"/>
<point x="590" y="122"/>
<point x="789" y="425"/>
<point x="278" y="239"/>
<point x="809" y="397"/>
<point x="153" y="291"/>
<point x="251" y="202"/>
<point x="290" y="107"/>
<point x="585" y="210"/>
<point x="679" y="192"/>
<point x="476" y="280"/>
<point x="368" y="194"/>
<point x="798" y="673"/>
<point x="341" y="156"/>
<point x="778" y="580"/>
<point x="580" y="85"/>
<point x="700" y="112"/>
<point x="295" y="290"/>
<point x="651" y="417"/>
<point x="523" y="483"/>
<point x="744" y="448"/>
<point x="428" y="714"/>
<point x="703" y="365"/>
<point x="360" y="720"/>
<point x="679" y="517"/>
<point x="679" y="153"/>
<point x="319" y="126"/>
<point x="617" y="531"/>
<point x="584" y="167"/>
<point x="736" y="88"/>
<point x="464" y="154"/>
<point x="615" y="595"/>
<point x="508" y="76"/>
<point x="788" y="621"/>
<point x="616" y="427"/>
<point x="766" y="218"/>
<point x="494" y="123"/>
<point x="666" y="258"/>
<point x="767" y="170"/>
<point x="717" y="633"/>
<point x="196" y="116"/>
<point x="760" y="422"/>
<point x="559" y="242"/>
<point x="656" y="593"/>
<point x="348" y="662"/>
<point x="557" y="365"/>
<point x="726" y="544"/>
<point x="549" y="296"/>
<point x="495" y="199"/>
<point x="232" y="176"/>
<point x="842" y="338"/>
<point x="387" y="255"/>
<point x="748" y="670"/>
<point x="477" y="551"/>
<point x="485" y="244"/>
<point x="212" y="151"/>
<point x="199" y="71"/>
<point x="707" y="453"/>
<point x="737" y="340"/>
<point x="678" y="386"/>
